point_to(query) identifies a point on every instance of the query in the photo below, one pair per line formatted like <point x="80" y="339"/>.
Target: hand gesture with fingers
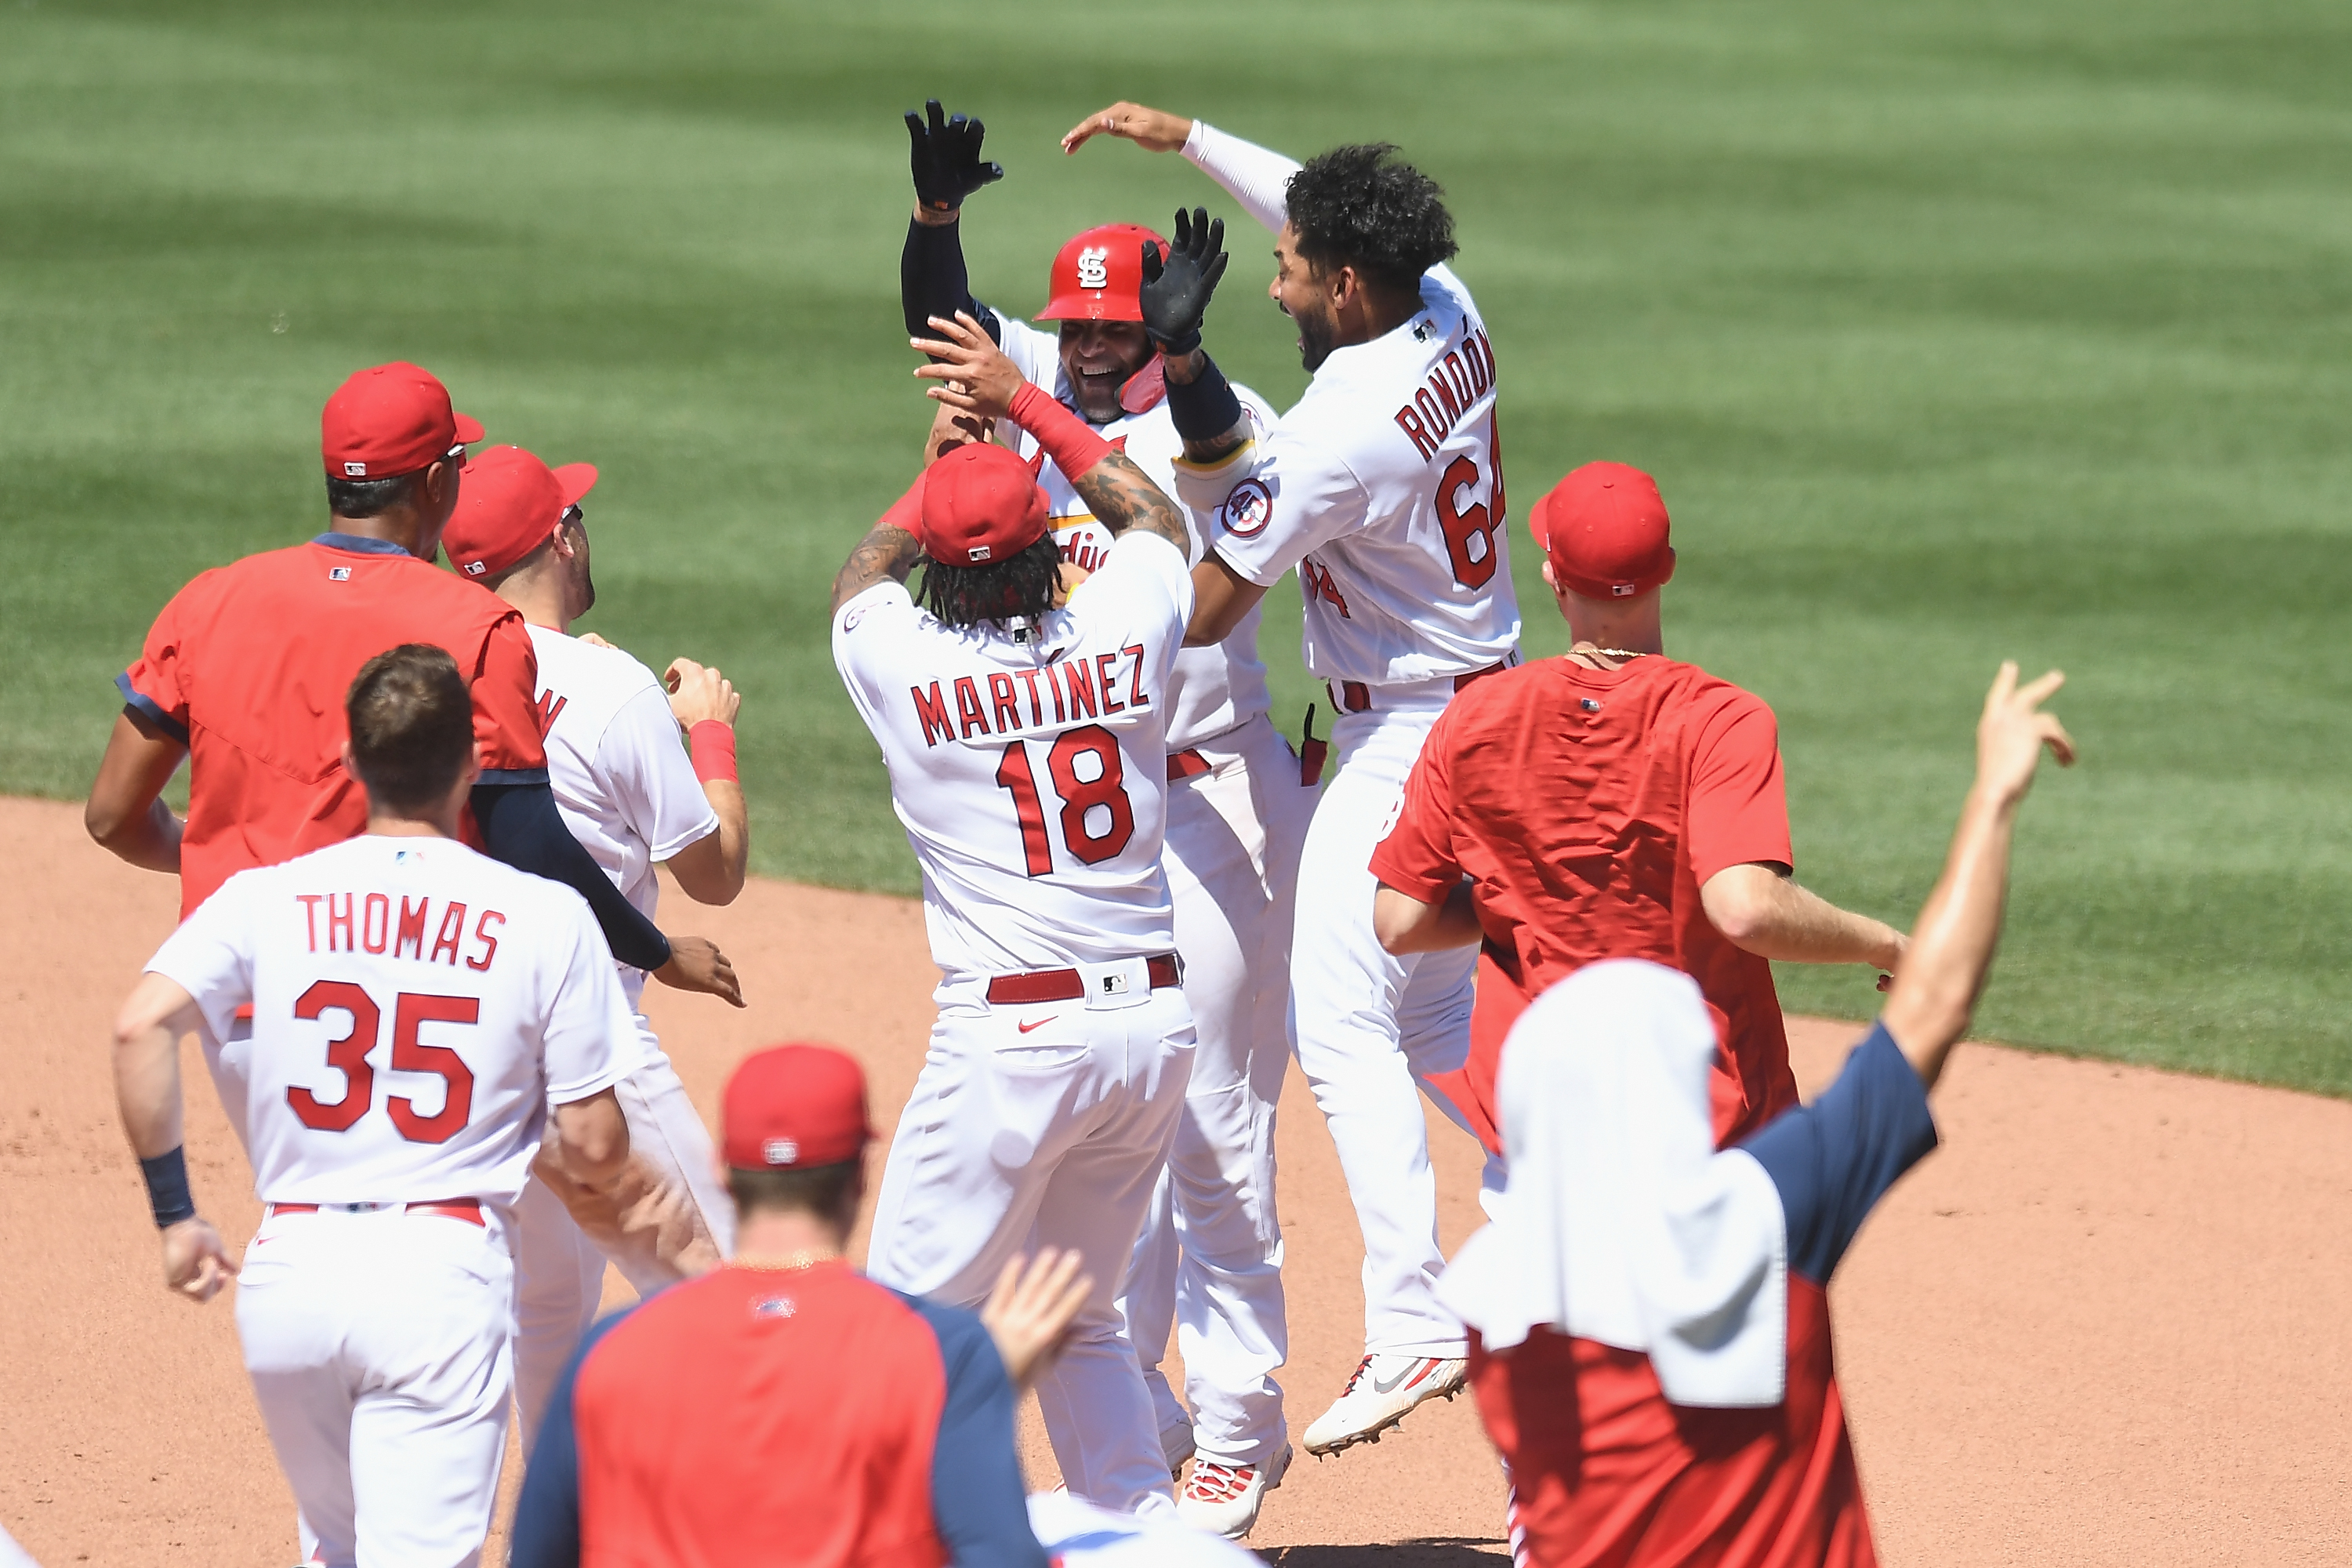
<point x="1176" y="289"/>
<point x="1153" y="130"/>
<point x="2013" y="730"/>
<point x="973" y="374"/>
<point x="196" y="1264"/>
<point x="1030" y="1312"/>
<point x="700" y="694"/>
<point x="945" y="157"/>
<point x="696" y="965"/>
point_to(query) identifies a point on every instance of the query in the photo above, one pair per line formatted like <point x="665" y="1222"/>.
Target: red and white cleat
<point x="1382" y="1393"/>
<point x="1224" y="1499"/>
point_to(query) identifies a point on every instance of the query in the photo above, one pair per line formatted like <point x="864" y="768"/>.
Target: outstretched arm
<point x="1254" y="176"/>
<point x="1951" y="950"/>
<point x="945" y="158"/>
<point x="1762" y="909"/>
<point x="974" y="377"/>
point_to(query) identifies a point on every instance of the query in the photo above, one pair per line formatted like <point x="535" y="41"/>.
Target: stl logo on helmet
<point x="1094" y="267"/>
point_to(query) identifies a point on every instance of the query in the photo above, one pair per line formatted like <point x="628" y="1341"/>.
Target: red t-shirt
<point x="1606" y="1474"/>
<point x="249" y="665"/>
<point x="1588" y="806"/>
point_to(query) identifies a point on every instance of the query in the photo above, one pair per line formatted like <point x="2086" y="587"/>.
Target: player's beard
<point x="1319" y="334"/>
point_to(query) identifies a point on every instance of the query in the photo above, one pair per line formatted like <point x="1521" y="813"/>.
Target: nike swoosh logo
<point x="1412" y="1370"/>
<point x="1040" y="1024"/>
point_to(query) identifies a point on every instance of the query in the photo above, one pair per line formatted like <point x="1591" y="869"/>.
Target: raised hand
<point x="1153" y="130"/>
<point x="973" y="374"/>
<point x="945" y="158"/>
<point x="699" y="693"/>
<point x="1176" y="289"/>
<point x="1029" y="1312"/>
<point x="2014" y="729"/>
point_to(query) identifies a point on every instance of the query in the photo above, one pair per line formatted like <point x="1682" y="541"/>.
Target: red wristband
<point x="1067" y="439"/>
<point x="712" y="746"/>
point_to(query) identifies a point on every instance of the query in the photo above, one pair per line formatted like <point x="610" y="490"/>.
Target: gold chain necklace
<point x="791" y="1262"/>
<point x="1604" y="652"/>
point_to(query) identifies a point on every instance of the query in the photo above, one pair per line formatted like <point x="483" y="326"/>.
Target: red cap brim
<point x="470" y="430"/>
<point x="575" y="480"/>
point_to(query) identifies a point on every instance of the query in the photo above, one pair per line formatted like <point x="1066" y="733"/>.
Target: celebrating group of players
<point x="1142" y="899"/>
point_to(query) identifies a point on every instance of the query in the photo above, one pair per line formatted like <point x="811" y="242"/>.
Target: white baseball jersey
<point x="1213" y="688"/>
<point x="416" y="1007"/>
<point x="1032" y="775"/>
<point x="1383" y="485"/>
<point x="622" y="781"/>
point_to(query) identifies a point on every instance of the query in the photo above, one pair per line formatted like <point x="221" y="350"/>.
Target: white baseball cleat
<point x="1384" y="1390"/>
<point x="1176" y="1447"/>
<point x="1224" y="1499"/>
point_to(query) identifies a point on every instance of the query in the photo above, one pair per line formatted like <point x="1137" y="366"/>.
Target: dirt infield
<point x="2105" y="1324"/>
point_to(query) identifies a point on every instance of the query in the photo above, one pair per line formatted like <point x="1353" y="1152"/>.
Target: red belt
<point x="1186" y="764"/>
<point x="1065" y="984"/>
<point x="468" y="1209"/>
<point x="1355" y="697"/>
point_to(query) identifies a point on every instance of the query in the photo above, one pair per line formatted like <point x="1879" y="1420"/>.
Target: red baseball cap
<point x="1098" y="276"/>
<point x="791" y="1107"/>
<point x="508" y="507"/>
<point x="1604" y="527"/>
<point x="390" y="420"/>
<point x="981" y="504"/>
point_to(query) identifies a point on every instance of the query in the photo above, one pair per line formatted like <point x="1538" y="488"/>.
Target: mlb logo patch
<point x="780" y="1151"/>
<point x="775" y="1306"/>
<point x="474" y="568"/>
<point x="339" y="573"/>
<point x="356" y="470"/>
<point x="981" y="551"/>
<point x="1114" y="984"/>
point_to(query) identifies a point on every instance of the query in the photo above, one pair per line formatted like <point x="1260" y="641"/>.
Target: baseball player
<point x="417" y="1007"/>
<point x="243" y="672"/>
<point x="1210" y="1257"/>
<point x="1383" y="487"/>
<point x="1612" y="803"/>
<point x="1026" y="740"/>
<point x="629" y="793"/>
<point x="1652" y="1353"/>
<point x="786" y="1408"/>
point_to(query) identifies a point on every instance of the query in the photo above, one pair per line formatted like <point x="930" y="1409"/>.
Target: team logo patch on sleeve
<point x="1247" y="510"/>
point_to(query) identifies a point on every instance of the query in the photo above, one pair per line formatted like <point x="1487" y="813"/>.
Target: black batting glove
<point x="946" y="158"/>
<point x="1176" y="290"/>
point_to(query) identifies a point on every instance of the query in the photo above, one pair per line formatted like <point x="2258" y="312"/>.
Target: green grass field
<point x="1951" y="331"/>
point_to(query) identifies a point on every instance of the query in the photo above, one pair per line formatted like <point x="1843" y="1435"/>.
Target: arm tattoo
<point x="1121" y="497"/>
<point x="1215" y="450"/>
<point x="886" y="551"/>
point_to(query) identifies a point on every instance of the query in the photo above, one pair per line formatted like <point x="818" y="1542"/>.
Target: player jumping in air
<point x="1383" y="487"/>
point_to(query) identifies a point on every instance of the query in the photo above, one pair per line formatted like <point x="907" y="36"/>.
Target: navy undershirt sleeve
<point x="933" y="281"/>
<point x="521" y="827"/>
<point x="1831" y="1161"/>
<point x="978" y="1502"/>
<point x="547" y="1514"/>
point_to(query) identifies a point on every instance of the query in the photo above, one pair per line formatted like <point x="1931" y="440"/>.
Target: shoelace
<point x="1362" y="1367"/>
<point x="1213" y="1482"/>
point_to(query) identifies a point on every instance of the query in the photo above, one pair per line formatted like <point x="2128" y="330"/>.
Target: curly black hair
<point x="1357" y="206"/>
<point x="999" y="592"/>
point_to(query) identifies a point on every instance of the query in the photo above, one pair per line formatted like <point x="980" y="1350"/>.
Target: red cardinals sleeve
<point x="1739" y="809"/>
<point x="1417" y="857"/>
<point x="156" y="683"/>
<point x="506" y="704"/>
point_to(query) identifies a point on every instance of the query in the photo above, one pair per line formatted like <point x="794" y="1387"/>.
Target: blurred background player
<point x="1383" y="487"/>
<point x="417" y="1009"/>
<point x="629" y="793"/>
<point x="243" y="672"/>
<point x="1026" y="743"/>
<point x="786" y="1408"/>
<point x="1612" y="803"/>
<point x="1210" y="1257"/>
<point x="1653" y="1342"/>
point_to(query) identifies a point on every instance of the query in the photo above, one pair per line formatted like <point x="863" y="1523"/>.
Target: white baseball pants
<point x="1369" y="1027"/>
<point x="378" y="1347"/>
<point x="1210" y="1258"/>
<point x="1052" y="1136"/>
<point x="681" y="1215"/>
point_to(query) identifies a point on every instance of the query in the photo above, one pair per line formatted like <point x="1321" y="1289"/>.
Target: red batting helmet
<point x="1097" y="276"/>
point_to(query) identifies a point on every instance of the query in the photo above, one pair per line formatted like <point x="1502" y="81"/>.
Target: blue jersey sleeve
<point x="547" y="1514"/>
<point x="978" y="1504"/>
<point x="1831" y="1161"/>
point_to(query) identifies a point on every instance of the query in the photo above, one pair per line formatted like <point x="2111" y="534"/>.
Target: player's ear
<point x="345" y="755"/>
